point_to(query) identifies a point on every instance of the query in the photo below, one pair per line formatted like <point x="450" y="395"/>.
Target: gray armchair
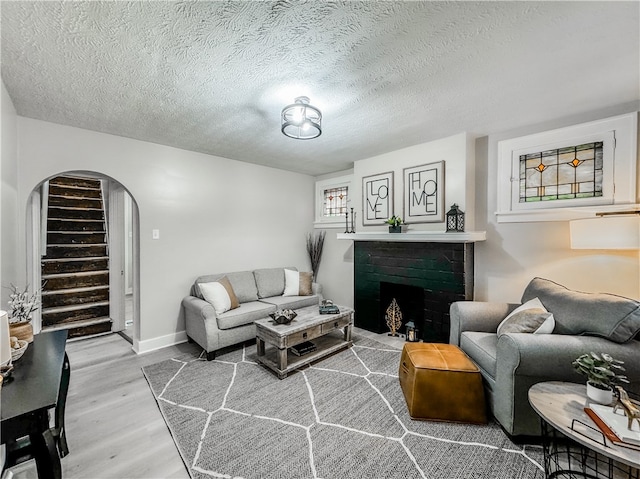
<point x="512" y="363"/>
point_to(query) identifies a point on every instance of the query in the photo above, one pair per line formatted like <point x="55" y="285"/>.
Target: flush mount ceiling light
<point x="301" y="120"/>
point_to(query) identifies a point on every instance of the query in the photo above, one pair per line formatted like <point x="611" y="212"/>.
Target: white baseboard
<point x="148" y="345"/>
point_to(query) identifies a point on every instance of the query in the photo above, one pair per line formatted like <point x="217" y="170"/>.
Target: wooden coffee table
<point x="329" y="332"/>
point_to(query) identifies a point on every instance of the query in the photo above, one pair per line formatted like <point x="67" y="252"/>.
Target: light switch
<point x="155" y="234"/>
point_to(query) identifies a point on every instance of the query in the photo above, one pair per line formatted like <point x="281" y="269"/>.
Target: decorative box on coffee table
<point x="440" y="382"/>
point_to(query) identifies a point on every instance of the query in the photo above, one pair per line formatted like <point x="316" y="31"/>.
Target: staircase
<point x="75" y="269"/>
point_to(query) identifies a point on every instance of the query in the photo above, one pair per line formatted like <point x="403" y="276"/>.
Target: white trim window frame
<point x="619" y="137"/>
<point x="338" y="221"/>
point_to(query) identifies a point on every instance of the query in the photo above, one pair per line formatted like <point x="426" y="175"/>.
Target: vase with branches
<point x="315" y="243"/>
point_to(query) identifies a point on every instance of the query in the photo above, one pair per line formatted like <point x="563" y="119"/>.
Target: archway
<point x="121" y="233"/>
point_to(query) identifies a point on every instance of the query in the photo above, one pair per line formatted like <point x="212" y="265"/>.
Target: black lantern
<point x="412" y="332"/>
<point x="455" y="219"/>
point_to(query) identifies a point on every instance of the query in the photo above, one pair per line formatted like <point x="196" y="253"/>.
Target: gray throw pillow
<point x="595" y="314"/>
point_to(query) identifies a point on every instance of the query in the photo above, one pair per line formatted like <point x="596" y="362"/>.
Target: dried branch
<point x="315" y="243"/>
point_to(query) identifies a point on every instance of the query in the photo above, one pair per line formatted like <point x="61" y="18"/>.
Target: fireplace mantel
<point x="416" y="236"/>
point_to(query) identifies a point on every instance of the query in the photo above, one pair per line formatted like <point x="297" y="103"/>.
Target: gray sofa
<point x="259" y="293"/>
<point x="512" y="363"/>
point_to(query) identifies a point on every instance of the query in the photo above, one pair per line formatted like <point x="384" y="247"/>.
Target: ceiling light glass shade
<point x="606" y="232"/>
<point x="301" y="120"/>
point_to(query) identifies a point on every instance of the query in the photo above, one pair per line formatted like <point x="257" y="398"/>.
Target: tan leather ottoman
<point x="440" y="382"/>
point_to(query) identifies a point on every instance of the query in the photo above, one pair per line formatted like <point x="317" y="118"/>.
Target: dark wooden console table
<point x="26" y="399"/>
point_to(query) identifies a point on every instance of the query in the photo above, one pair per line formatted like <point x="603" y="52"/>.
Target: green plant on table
<point x="601" y="369"/>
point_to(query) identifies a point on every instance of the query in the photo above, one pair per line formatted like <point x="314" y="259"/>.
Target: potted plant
<point x="395" y="224"/>
<point x="21" y="306"/>
<point x="602" y="373"/>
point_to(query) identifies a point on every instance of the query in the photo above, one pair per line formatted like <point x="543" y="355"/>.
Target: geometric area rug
<point x="341" y="417"/>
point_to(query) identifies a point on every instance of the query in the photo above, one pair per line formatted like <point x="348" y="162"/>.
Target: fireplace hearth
<point x="424" y="278"/>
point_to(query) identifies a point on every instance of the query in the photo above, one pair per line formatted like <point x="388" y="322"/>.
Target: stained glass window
<point x="335" y="201"/>
<point x="563" y="173"/>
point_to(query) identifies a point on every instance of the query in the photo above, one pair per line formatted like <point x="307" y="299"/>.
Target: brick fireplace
<point x="423" y="277"/>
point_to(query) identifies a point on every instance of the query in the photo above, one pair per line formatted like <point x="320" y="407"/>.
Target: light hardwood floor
<point x="114" y="427"/>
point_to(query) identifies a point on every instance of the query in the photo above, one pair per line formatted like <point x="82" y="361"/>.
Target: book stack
<point x="614" y="426"/>
<point x="303" y="348"/>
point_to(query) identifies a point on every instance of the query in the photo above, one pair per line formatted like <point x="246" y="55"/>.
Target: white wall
<point x="214" y="214"/>
<point x="336" y="268"/>
<point x="9" y="197"/>
<point x="514" y="253"/>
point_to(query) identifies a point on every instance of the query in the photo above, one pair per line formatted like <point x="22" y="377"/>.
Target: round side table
<point x="573" y="445"/>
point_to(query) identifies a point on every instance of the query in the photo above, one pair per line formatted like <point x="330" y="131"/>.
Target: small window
<point x="335" y="201"/>
<point x="562" y="174"/>
<point x="332" y="201"/>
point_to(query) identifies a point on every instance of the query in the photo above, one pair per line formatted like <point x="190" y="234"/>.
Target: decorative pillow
<point x="595" y="314"/>
<point x="270" y="281"/>
<point x="220" y="294"/>
<point x="297" y="283"/>
<point x="531" y="317"/>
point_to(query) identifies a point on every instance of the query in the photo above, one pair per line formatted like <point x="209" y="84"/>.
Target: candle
<point x="5" y="345"/>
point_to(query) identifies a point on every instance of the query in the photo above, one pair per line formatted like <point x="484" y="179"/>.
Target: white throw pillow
<point x="530" y="317"/>
<point x="297" y="283"/>
<point x="220" y="294"/>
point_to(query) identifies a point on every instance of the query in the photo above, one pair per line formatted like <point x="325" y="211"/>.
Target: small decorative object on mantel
<point x="353" y="221"/>
<point x="602" y="374"/>
<point x="455" y="219"/>
<point x="412" y="332"/>
<point x="394" y="318"/>
<point x="395" y="224"/>
<point x="21" y="306"/>
<point x="283" y="316"/>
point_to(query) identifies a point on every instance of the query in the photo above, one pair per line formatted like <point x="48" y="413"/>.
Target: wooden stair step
<point x="74" y="313"/>
<point x="55" y="282"/>
<point x="75" y="237"/>
<point x="75" y="296"/>
<point x="77" y="324"/>
<point x="91" y="330"/>
<point x="74" y="265"/>
<point x="75" y="181"/>
<point x="76" y="251"/>
<point x="75" y="225"/>
<point x="62" y="213"/>
<point x="74" y="191"/>
<point x="75" y="202"/>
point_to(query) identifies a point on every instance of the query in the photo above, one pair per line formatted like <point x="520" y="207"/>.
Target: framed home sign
<point x="377" y="201"/>
<point x="423" y="194"/>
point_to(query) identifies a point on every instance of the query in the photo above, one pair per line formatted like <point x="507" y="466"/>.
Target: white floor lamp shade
<point x="5" y="345"/>
<point x="606" y="232"/>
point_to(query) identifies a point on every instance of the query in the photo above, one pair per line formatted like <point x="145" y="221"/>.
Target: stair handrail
<point x="44" y="217"/>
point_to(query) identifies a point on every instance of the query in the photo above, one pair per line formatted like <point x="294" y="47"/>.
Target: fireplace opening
<point x="410" y="300"/>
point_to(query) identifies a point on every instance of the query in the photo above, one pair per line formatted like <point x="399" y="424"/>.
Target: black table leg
<point x="46" y="455"/>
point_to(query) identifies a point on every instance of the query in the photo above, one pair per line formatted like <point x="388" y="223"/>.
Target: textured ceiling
<point x="213" y="76"/>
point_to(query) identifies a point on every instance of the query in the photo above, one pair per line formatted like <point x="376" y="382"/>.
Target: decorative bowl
<point x="16" y="353"/>
<point x="284" y="316"/>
